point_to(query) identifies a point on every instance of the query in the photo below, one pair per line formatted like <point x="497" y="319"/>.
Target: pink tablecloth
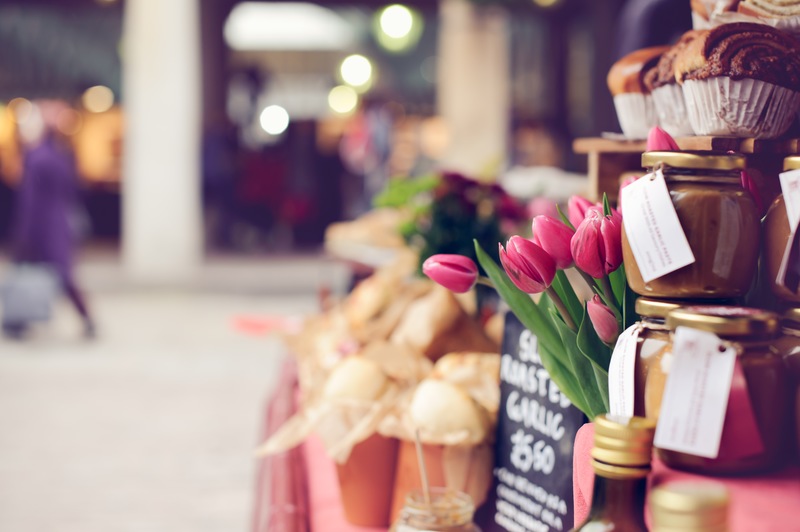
<point x="762" y="503"/>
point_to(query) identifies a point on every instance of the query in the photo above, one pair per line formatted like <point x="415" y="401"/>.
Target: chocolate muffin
<point x="667" y="94"/>
<point x="740" y="79"/>
<point x="632" y="99"/>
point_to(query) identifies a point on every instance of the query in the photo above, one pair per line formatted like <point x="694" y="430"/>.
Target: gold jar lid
<point x="623" y="443"/>
<point x="690" y="506"/>
<point x="655" y="308"/>
<point x="680" y="159"/>
<point x="725" y="320"/>
<point x="791" y="318"/>
<point x="791" y="163"/>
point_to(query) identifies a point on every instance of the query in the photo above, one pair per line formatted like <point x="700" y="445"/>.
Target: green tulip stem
<point x="590" y="281"/>
<point x="485" y="281"/>
<point x="562" y="309"/>
<point x="605" y="283"/>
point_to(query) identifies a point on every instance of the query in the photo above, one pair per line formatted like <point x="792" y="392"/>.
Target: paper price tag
<point x="621" y="375"/>
<point x="654" y="232"/>
<point x="696" y="394"/>
<point x="790" y="187"/>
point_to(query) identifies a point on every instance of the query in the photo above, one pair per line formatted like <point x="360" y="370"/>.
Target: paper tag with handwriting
<point x="654" y="231"/>
<point x="696" y="394"/>
<point x="621" y="374"/>
<point x="790" y="187"/>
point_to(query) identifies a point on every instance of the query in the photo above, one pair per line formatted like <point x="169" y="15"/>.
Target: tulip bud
<point x="660" y="140"/>
<point x="576" y="209"/>
<point x="603" y="320"/>
<point x="600" y="210"/>
<point x="528" y="266"/>
<point x="457" y="273"/>
<point x="554" y="237"/>
<point x="597" y="244"/>
<point x="750" y="186"/>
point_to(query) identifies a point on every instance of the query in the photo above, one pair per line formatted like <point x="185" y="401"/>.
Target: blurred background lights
<point x="546" y="3"/>
<point x="396" y="21"/>
<point x="274" y="119"/>
<point x="397" y="28"/>
<point x="98" y="99"/>
<point x="343" y="99"/>
<point x="21" y="109"/>
<point x="356" y="70"/>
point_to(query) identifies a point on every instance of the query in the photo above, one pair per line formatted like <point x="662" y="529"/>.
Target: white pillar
<point x="473" y="86"/>
<point x="162" y="237"/>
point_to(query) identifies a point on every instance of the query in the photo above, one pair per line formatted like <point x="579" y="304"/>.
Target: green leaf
<point x="520" y="302"/>
<point x="601" y="379"/>
<point x="563" y="377"/>
<point x="592" y="346"/>
<point x="567" y="294"/>
<point x="629" y="315"/>
<point x="606" y="205"/>
<point x="564" y="218"/>
<point x="582" y="369"/>
<point x="618" y="282"/>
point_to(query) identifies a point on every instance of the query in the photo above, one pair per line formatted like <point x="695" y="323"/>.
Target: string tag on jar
<point x="790" y="187"/>
<point x="695" y="397"/>
<point x="621" y="373"/>
<point x="654" y="232"/>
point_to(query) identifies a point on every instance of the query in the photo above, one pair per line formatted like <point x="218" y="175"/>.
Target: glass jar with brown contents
<point x="447" y="511"/>
<point x="721" y="222"/>
<point x="789" y="347"/>
<point x="776" y="237"/>
<point x="651" y="345"/>
<point x="752" y="333"/>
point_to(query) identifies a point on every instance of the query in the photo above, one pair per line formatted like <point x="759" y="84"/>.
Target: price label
<point x="654" y="232"/>
<point x="621" y="373"/>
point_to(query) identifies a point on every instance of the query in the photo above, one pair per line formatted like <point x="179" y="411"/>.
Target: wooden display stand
<point x="610" y="158"/>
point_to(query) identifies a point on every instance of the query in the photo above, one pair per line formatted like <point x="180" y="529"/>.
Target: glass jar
<point x="448" y="511"/>
<point x="689" y="506"/>
<point x="776" y="237"/>
<point x="650" y="348"/>
<point x="721" y="222"/>
<point x="789" y="347"/>
<point x="753" y="333"/>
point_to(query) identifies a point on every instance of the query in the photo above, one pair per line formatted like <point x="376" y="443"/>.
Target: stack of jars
<point x="723" y="226"/>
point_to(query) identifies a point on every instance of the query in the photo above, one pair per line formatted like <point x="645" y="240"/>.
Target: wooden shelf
<point x="610" y="158"/>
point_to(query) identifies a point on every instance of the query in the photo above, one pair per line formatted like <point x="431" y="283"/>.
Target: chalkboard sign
<point x="536" y="429"/>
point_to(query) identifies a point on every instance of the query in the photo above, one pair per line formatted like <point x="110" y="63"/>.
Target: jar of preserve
<point x="753" y="334"/>
<point x="789" y="347"/>
<point x="650" y="348"/>
<point x="721" y="222"/>
<point x="447" y="511"/>
<point x="776" y="238"/>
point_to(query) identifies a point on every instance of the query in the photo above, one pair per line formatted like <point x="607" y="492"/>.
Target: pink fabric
<point x="281" y="499"/>
<point x="327" y="514"/>
<point x="765" y="503"/>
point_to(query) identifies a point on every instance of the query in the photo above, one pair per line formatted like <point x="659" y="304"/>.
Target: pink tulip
<point x="576" y="209"/>
<point x="660" y="140"/>
<point x="528" y="266"/>
<point x="597" y="244"/>
<point x="603" y="320"/>
<point x="457" y="273"/>
<point x="750" y="186"/>
<point x="599" y="209"/>
<point x="554" y="237"/>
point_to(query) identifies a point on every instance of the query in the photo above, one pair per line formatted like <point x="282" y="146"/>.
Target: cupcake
<point x="667" y="94"/>
<point x="632" y="99"/>
<point x="740" y="80"/>
<point x="785" y="14"/>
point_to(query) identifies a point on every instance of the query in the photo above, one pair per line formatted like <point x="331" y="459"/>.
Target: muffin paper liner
<point x="671" y="110"/>
<point x="742" y="108"/>
<point x="636" y="113"/>
<point x="788" y="24"/>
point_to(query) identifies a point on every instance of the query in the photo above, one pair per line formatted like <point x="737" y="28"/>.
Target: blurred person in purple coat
<point x="46" y="200"/>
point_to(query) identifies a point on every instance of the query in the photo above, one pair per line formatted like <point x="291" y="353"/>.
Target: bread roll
<point x="664" y="72"/>
<point x="355" y="378"/>
<point x="627" y="75"/>
<point x="440" y="408"/>
<point x="770" y="8"/>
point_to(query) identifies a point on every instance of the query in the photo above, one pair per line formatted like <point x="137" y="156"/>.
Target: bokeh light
<point x="69" y="122"/>
<point x="21" y="109"/>
<point x="396" y="21"/>
<point x="343" y="99"/>
<point x="98" y="99"/>
<point x="546" y="3"/>
<point x="274" y="119"/>
<point x="356" y="71"/>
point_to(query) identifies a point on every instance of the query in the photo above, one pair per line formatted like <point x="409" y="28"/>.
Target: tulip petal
<point x="660" y="140"/>
<point x="457" y="273"/>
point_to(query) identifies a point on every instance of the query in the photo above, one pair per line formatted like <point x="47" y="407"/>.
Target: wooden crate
<point x="610" y="158"/>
